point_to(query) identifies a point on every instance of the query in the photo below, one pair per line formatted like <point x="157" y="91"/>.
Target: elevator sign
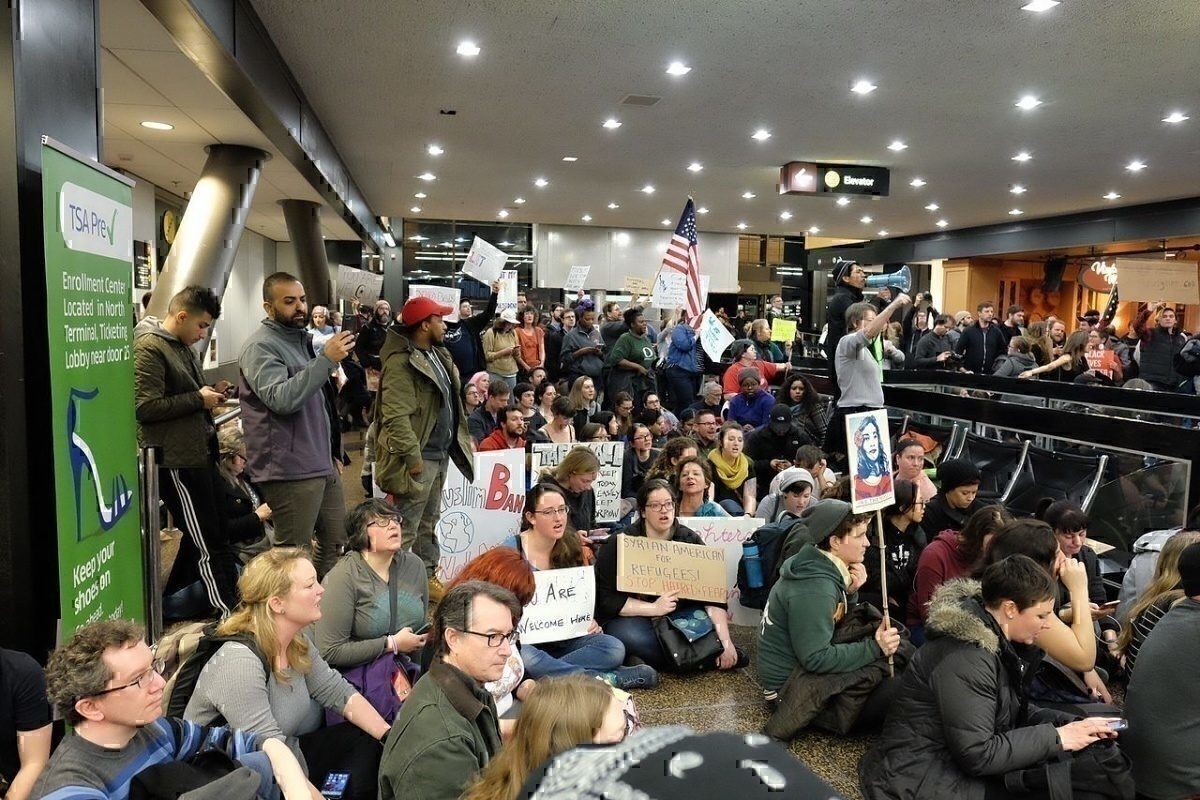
<point x="804" y="177"/>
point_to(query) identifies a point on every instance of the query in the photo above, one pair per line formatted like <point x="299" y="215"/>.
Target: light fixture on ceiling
<point x="1028" y="102"/>
<point x="917" y="183"/>
<point x="785" y="215"/>
<point x="613" y="206"/>
<point x="678" y="68"/>
<point x="388" y="239"/>
<point x="420" y="195"/>
<point x="415" y="209"/>
<point x="814" y="229"/>
<point x="863" y="86"/>
<point x="702" y="210"/>
<point x="519" y="201"/>
<point x="586" y="218"/>
<point x="748" y="195"/>
<point x="932" y="207"/>
<point x="1017" y="189"/>
<point x="612" y="123"/>
<point x="467" y="48"/>
<point x="427" y="176"/>
<point x="665" y="222"/>
<point x="648" y="189"/>
<point x="1135" y="165"/>
<point x="570" y="159"/>
<point x="1112" y="196"/>
<point x="883" y="233"/>
<point x="1039" y="6"/>
<point x="157" y="126"/>
<point x="695" y="166"/>
<point x="503" y="213"/>
<point x="505" y="243"/>
<point x="1176" y="117"/>
<point x="1016" y="212"/>
<point x="741" y="226"/>
<point x="1022" y="156"/>
<point x="761" y="135"/>
<point x="941" y="223"/>
<point x="434" y="150"/>
<point x="843" y="201"/>
<point x="897" y="146"/>
<point x="541" y="183"/>
<point x="866" y="220"/>
<point x="416" y="237"/>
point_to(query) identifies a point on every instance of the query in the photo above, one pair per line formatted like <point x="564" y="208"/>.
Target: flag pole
<point x="883" y="591"/>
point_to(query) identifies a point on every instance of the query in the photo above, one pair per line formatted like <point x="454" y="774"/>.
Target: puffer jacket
<point x="407" y="410"/>
<point x="170" y="411"/>
<point x="960" y="717"/>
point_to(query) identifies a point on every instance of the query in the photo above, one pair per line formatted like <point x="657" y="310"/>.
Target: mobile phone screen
<point x="335" y="785"/>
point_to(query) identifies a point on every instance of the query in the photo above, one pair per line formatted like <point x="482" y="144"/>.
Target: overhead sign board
<point x="803" y="177"/>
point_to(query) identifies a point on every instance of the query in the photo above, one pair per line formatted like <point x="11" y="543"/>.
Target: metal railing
<point x="151" y="540"/>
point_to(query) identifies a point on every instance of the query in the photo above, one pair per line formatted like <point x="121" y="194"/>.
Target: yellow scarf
<point x="731" y="473"/>
<point x="842" y="569"/>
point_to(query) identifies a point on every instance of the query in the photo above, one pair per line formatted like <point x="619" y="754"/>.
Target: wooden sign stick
<point x="883" y="592"/>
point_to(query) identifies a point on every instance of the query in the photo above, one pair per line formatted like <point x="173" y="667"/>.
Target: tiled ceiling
<point x="948" y="74"/>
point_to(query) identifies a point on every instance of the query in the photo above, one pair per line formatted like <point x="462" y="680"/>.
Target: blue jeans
<point x="639" y="638"/>
<point x="733" y="507"/>
<point x="593" y="652"/>
<point x="682" y="387"/>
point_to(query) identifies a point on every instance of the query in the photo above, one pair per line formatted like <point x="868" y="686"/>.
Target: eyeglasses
<point x="642" y="438"/>
<point x="559" y="511"/>
<point x="496" y="639"/>
<point x="386" y="522"/>
<point x="142" y="681"/>
<point x="664" y="505"/>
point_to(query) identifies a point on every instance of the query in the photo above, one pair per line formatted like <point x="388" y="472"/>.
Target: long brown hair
<point x="563" y="713"/>
<point x="664" y="467"/>
<point x="268" y="575"/>
<point x="1163" y="586"/>
<point x="567" y="551"/>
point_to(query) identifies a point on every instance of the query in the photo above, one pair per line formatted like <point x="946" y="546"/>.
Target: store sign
<point x="1100" y="276"/>
<point x="802" y="177"/>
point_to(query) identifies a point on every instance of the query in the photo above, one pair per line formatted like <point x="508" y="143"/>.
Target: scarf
<point x="731" y="473"/>
<point x="842" y="569"/>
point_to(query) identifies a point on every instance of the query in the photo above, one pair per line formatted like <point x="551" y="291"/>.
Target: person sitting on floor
<point x="958" y="499"/>
<point x="1163" y="592"/>
<point x="574" y="477"/>
<point x="25" y="723"/>
<point x="510" y="435"/>
<point x="772" y="447"/>
<point x="693" y="480"/>
<point x="736" y="485"/>
<point x="247" y="519"/>
<point x="795" y="492"/>
<point x="905" y="539"/>
<point x="751" y="407"/>
<point x="910" y="465"/>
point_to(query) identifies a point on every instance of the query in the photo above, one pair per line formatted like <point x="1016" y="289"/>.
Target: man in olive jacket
<point x="448" y="729"/>
<point x="420" y="424"/>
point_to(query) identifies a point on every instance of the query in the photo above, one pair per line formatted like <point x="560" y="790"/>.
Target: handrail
<point x="228" y="416"/>
<point x="151" y="544"/>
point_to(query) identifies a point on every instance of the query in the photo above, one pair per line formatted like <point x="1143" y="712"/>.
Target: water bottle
<point x="754" y="571"/>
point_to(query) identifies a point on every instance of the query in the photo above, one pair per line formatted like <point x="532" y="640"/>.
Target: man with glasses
<point x="448" y="729"/>
<point x="704" y="431"/>
<point x="107" y="685"/>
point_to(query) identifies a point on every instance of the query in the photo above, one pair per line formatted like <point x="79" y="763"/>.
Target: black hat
<point x="781" y="419"/>
<point x="844" y="270"/>
<point x="956" y="472"/>
<point x="1189" y="569"/>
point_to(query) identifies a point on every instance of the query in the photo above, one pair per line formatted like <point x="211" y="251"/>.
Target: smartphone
<point x="423" y="629"/>
<point x="1118" y="724"/>
<point x="335" y="785"/>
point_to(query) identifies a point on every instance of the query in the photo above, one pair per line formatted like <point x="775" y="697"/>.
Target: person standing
<point x="851" y="278"/>
<point x="371" y="336"/>
<point x="1014" y="323"/>
<point x="289" y="419"/>
<point x="935" y="349"/>
<point x="501" y="349"/>
<point x="582" y="349"/>
<point x="1158" y="346"/>
<point x="613" y="326"/>
<point x="631" y="359"/>
<point x="173" y="407"/>
<point x="556" y="331"/>
<point x="421" y="426"/>
<point x="683" y="365"/>
<point x="982" y="343"/>
<point x="464" y="338"/>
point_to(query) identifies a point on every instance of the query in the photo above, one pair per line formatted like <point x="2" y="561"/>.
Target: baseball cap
<point x="419" y="309"/>
<point x="781" y="419"/>
<point x="509" y="315"/>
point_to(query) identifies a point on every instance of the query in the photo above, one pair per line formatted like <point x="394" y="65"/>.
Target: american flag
<point x="683" y="256"/>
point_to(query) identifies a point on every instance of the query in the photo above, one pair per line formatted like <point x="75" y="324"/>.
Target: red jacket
<point x="939" y="563"/>
<point x="498" y="441"/>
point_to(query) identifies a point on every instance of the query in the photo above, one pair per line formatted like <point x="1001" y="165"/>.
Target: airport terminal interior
<point x="818" y="379"/>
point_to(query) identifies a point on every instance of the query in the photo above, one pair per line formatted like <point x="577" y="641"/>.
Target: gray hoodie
<point x="1013" y="364"/>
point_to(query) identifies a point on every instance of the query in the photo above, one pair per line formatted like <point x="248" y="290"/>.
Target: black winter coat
<point x="765" y="445"/>
<point x="842" y="298"/>
<point x="961" y="716"/>
<point x="980" y="347"/>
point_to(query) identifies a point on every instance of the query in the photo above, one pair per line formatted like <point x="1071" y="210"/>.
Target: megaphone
<point x="901" y="279"/>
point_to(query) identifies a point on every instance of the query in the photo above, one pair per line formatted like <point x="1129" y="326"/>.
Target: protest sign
<point x="637" y="287"/>
<point x="577" y="277"/>
<point x="507" y="296"/>
<point x="444" y="295"/>
<point x="783" y="330"/>
<point x="670" y="290"/>
<point x="1149" y="280"/>
<point x="714" y="337"/>
<point x="654" y="567"/>
<point x="729" y="534"/>
<point x="563" y="605"/>
<point x="357" y="286"/>
<point x="478" y="515"/>
<point x="484" y="261"/>
<point x="870" y="454"/>
<point x="608" y="484"/>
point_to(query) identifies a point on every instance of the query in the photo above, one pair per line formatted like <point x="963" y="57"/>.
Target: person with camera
<point x="935" y="350"/>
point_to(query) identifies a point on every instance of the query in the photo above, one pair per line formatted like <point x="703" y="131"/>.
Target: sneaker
<point x="642" y="676"/>
<point x="436" y="590"/>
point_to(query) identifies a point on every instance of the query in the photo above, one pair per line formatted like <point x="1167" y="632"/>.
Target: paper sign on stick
<point x="607" y="486"/>
<point x="637" y="287"/>
<point x="444" y="295"/>
<point x="507" y="296"/>
<point x="869" y="449"/>
<point x="478" y="515"/>
<point x="577" y="277"/>
<point x="1150" y="280"/>
<point x="783" y="330"/>
<point x="670" y="290"/>
<point x="714" y="337"/>
<point x="729" y="534"/>
<point x="563" y="605"/>
<point x="357" y="286"/>
<point x="654" y="567"/>
<point x="484" y="261"/>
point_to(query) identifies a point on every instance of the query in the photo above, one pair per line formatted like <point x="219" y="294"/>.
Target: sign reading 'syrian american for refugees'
<point x="655" y="567"/>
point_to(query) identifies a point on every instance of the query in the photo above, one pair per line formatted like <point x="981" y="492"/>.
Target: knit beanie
<point x="956" y="472"/>
<point x="1189" y="569"/>
<point x="823" y="518"/>
<point x="749" y="374"/>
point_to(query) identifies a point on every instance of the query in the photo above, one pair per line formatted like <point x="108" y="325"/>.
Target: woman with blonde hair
<point x="584" y="405"/>
<point x="1040" y="346"/>
<point x="760" y="334"/>
<point x="1070" y="365"/>
<point x="563" y="713"/>
<point x="1162" y="593"/>
<point x="268" y="678"/>
<point x="574" y="477"/>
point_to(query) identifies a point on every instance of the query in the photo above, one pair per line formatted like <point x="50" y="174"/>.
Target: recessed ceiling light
<point x="863" y="87"/>
<point x="748" y="195"/>
<point x="917" y="183"/>
<point x="843" y="201"/>
<point x="570" y="158"/>
<point x="741" y="226"/>
<point x="1016" y="212"/>
<point x="420" y="195"/>
<point x="414" y="238"/>
<point x="1022" y="156"/>
<point x="1028" y="102"/>
<point x="1135" y="166"/>
<point x="613" y="206"/>
<point x="785" y="215"/>
<point x="434" y="150"/>
<point x="761" y="135"/>
<point x="541" y="182"/>
<point x="520" y="201"/>
<point x="427" y="176"/>
<point x="695" y="166"/>
<point x="883" y="233"/>
<point x="1038" y="6"/>
<point x="1174" y="118"/>
<point x="467" y="48"/>
<point x="941" y="223"/>
<point x="866" y="220"/>
<point x="158" y="126"/>
<point x="702" y="210"/>
<point x="1112" y="196"/>
<point x="814" y="229"/>
<point x="612" y="123"/>
<point x="648" y="189"/>
<point x="586" y="218"/>
<point x="1017" y="189"/>
<point x="678" y="68"/>
<point x="665" y="222"/>
<point x="932" y="207"/>
<point x="415" y="209"/>
<point x="897" y="146"/>
<point x="502" y="213"/>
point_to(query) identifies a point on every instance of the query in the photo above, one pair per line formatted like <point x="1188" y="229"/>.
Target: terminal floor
<point x="726" y="701"/>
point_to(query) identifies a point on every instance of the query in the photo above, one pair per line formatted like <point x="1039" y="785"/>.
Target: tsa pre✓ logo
<point x="92" y="223"/>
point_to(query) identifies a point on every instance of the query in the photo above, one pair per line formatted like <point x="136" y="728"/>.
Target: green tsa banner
<point x="88" y="217"/>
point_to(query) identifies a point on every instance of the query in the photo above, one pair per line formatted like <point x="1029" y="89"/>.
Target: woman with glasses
<point x="547" y="542"/>
<point x="629" y="616"/>
<point x="574" y="477"/>
<point x="375" y="606"/>
<point x="281" y="687"/>
<point x="639" y="457"/>
<point x="904" y="539"/>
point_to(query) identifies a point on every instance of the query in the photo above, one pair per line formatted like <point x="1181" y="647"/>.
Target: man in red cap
<point x="420" y="425"/>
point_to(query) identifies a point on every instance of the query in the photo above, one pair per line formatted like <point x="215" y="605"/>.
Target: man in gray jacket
<point x="293" y="442"/>
<point x="173" y="408"/>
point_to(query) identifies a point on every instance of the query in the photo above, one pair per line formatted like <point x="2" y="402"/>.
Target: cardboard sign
<point x="1154" y="280"/>
<point x="670" y="290"/>
<point x="714" y="337"/>
<point x="607" y="487"/>
<point x="484" y="262"/>
<point x="562" y="608"/>
<point x="478" y="515"/>
<point x="652" y="567"/>
<point x="577" y="277"/>
<point x="869" y="450"/>
<point x="637" y="287"/>
<point x="729" y="534"/>
<point x="444" y="295"/>
<point x="357" y="286"/>
<point x="507" y="296"/>
<point x="783" y="330"/>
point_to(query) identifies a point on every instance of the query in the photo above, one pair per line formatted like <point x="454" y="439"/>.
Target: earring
<point x="1010" y="615"/>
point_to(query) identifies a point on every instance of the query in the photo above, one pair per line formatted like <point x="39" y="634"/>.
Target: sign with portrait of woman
<point x="869" y="449"/>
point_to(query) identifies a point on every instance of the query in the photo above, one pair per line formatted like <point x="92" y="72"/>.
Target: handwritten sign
<point x="484" y="261"/>
<point x="869" y="451"/>
<point x="637" y="287"/>
<point x="577" y="277"/>
<point x="507" y="296"/>
<point x="563" y="605"/>
<point x="357" y="286"/>
<point x="1151" y="280"/>
<point x="444" y="295"/>
<point x="670" y="290"/>
<point x="653" y="567"/>
<point x="607" y="487"/>
<point x="729" y="534"/>
<point x="783" y="330"/>
<point x="714" y="337"/>
<point x="478" y="515"/>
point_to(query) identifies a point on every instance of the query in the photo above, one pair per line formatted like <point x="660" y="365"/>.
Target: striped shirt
<point x="1142" y="626"/>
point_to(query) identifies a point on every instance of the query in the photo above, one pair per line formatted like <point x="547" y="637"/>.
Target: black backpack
<point x="191" y="654"/>
<point x="770" y="540"/>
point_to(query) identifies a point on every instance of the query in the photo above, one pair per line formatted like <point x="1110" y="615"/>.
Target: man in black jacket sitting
<point x="772" y="446"/>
